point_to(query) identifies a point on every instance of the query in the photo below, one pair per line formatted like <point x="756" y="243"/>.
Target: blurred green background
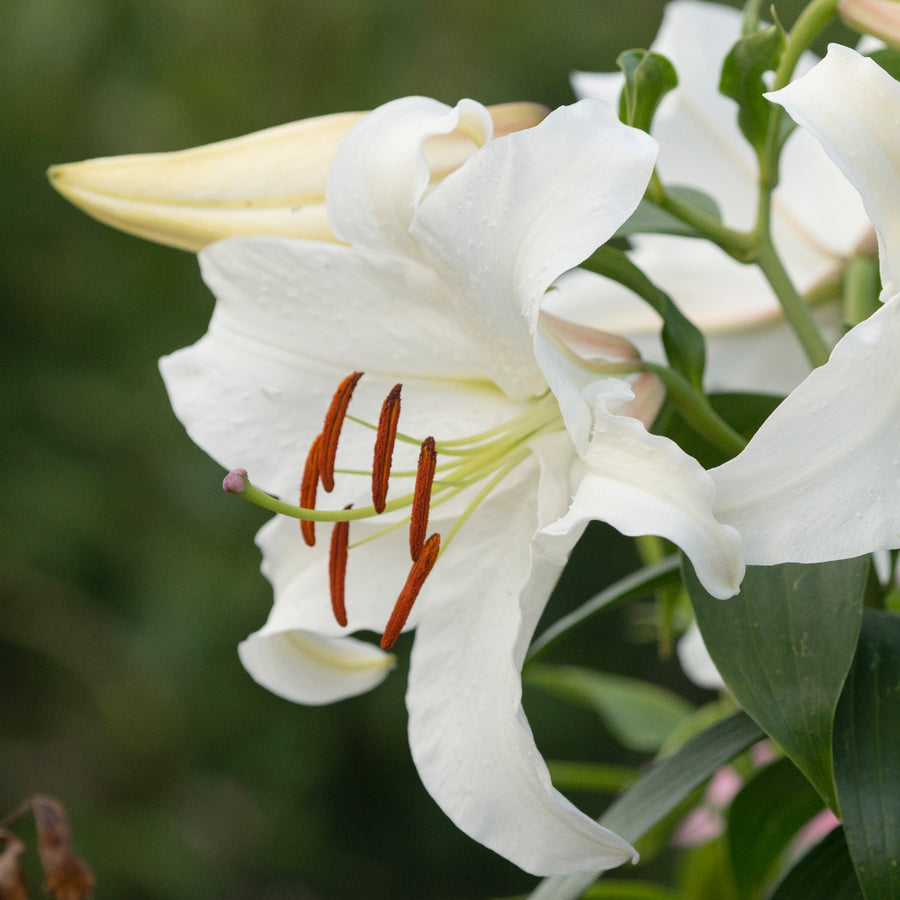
<point x="127" y="577"/>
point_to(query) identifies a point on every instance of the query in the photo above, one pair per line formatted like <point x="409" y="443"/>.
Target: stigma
<point x="445" y="469"/>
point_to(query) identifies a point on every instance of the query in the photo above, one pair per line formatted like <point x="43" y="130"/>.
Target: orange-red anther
<point x="308" y="487"/>
<point x="418" y="517"/>
<point x="384" y="447"/>
<point x="337" y="570"/>
<point x="414" y="581"/>
<point x="331" y="429"/>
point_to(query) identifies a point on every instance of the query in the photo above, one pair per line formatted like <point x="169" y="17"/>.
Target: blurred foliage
<point x="128" y="577"/>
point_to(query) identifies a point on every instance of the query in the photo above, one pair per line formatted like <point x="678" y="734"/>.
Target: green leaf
<point x="636" y="584"/>
<point x="630" y="890"/>
<point x="763" y="819"/>
<point x="648" y="78"/>
<point x="683" y="342"/>
<point x="784" y="645"/>
<point x="825" y="871"/>
<point x="743" y="412"/>
<point x="639" y="715"/>
<point x="867" y="756"/>
<point x="660" y="791"/>
<point x="705" y="873"/>
<point x="568" y="775"/>
<point x="889" y="60"/>
<point x="649" y="218"/>
<point x="742" y="80"/>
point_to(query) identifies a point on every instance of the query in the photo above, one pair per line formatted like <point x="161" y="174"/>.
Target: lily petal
<point x="469" y="737"/>
<point x="821" y="479"/>
<point x="380" y="170"/>
<point x="848" y="103"/>
<point x="559" y="190"/>
<point x="642" y="483"/>
<point x="306" y="667"/>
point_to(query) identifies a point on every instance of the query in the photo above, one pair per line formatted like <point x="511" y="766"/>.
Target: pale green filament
<point x="486" y="458"/>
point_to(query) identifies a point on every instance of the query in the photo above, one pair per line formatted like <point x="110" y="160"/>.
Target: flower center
<point x="444" y="471"/>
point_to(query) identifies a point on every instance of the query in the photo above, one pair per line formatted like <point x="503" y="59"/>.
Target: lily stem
<point x="796" y="309"/>
<point x="698" y="412"/>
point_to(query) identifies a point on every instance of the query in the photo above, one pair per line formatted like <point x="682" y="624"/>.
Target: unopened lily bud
<point x="880" y="18"/>
<point x="271" y="182"/>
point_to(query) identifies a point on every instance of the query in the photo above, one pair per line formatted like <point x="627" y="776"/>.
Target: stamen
<point x="308" y="487"/>
<point x="418" y="517"/>
<point x="414" y="581"/>
<point x="384" y="447"/>
<point x="331" y="429"/>
<point x="337" y="570"/>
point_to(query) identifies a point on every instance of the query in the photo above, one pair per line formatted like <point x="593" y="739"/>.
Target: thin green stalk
<point x="697" y="411"/>
<point x="796" y="309"/>
<point x="807" y="28"/>
<point x="735" y="243"/>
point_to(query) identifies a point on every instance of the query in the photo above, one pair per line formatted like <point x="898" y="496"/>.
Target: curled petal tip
<point x="235" y="482"/>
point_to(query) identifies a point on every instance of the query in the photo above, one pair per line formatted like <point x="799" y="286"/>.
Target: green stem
<point x="807" y="28"/>
<point x="697" y="411"/>
<point x="735" y="243"/>
<point x="796" y="310"/>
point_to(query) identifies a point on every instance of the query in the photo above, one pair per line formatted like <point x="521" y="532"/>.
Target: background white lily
<point x="818" y="220"/>
<point x="821" y="479"/>
<point x="441" y="290"/>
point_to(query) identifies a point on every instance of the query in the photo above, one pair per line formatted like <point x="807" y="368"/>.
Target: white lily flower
<point x="440" y="288"/>
<point x="821" y="479"/>
<point x="268" y="182"/>
<point x="817" y="218"/>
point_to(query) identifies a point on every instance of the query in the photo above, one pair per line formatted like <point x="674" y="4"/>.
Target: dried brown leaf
<point x="12" y="884"/>
<point x="68" y="876"/>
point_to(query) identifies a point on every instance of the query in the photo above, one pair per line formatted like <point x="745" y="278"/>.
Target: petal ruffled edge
<point x="644" y="484"/>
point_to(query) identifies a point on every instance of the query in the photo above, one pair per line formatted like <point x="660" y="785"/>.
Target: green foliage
<point x="660" y="791"/>
<point x="649" y="218"/>
<point x="784" y="645"/>
<point x="763" y="819"/>
<point x="640" y="715"/>
<point x="825" y="871"/>
<point x="867" y="756"/>
<point x="648" y="78"/>
<point x="742" y="80"/>
<point x="684" y="344"/>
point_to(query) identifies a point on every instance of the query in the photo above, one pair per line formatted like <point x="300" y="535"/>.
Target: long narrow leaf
<point x="659" y="792"/>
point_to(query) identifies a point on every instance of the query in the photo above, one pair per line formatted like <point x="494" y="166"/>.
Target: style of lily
<point x="818" y="221"/>
<point x="269" y="182"/>
<point x="828" y="456"/>
<point x="504" y="410"/>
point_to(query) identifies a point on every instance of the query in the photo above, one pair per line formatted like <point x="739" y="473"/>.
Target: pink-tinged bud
<point x="880" y="18"/>
<point x="235" y="482"/>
